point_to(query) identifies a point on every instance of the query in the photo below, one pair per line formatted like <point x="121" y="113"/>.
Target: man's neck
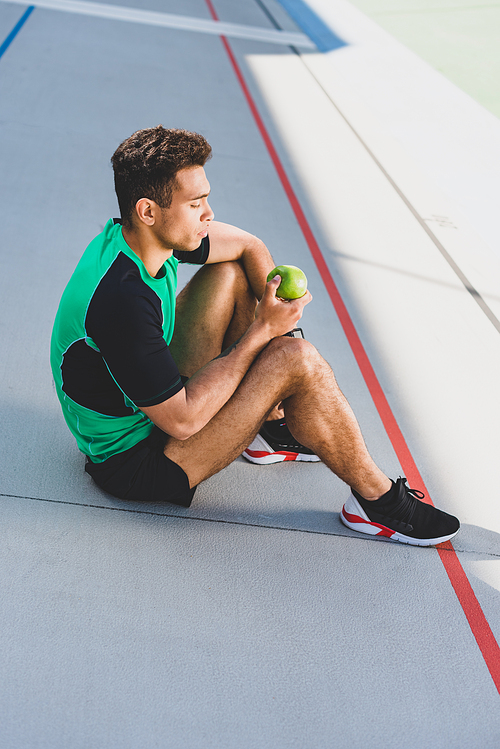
<point x="145" y="246"/>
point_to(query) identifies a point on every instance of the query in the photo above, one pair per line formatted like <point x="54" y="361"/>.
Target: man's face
<point x="186" y="222"/>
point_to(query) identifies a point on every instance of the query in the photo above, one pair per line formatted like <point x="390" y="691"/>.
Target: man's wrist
<point x="260" y="331"/>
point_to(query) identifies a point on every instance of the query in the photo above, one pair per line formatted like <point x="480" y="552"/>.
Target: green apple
<point x="293" y="281"/>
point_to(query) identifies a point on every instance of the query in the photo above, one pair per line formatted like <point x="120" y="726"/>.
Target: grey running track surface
<point x="253" y="619"/>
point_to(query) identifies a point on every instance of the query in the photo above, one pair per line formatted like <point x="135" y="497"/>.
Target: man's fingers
<point x="305" y="299"/>
<point x="274" y="283"/>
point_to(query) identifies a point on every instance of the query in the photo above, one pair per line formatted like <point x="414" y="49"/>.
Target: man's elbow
<point x="181" y="434"/>
<point x="183" y="431"/>
<point x="175" y="419"/>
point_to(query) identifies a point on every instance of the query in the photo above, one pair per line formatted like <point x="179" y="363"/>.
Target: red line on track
<point x="471" y="607"/>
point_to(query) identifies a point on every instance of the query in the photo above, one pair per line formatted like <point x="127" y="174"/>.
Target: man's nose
<point x="207" y="214"/>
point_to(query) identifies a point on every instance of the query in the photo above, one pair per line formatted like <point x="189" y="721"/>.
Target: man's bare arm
<point x="230" y="243"/>
<point x="187" y="412"/>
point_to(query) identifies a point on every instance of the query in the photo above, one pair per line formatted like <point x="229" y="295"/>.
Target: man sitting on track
<point x="163" y="393"/>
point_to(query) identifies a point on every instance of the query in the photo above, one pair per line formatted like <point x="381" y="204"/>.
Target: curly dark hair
<point x="146" y="165"/>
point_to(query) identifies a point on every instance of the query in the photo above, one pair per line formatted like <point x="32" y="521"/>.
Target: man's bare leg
<point x="212" y="312"/>
<point x="292" y="371"/>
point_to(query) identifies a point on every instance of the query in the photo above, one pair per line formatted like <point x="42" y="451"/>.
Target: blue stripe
<point x="17" y="28"/>
<point x="322" y="35"/>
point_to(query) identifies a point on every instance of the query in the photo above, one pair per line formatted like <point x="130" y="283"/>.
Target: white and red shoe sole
<point x="260" y="452"/>
<point x="353" y="516"/>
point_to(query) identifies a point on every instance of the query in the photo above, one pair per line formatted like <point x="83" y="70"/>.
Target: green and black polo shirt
<point x="109" y="349"/>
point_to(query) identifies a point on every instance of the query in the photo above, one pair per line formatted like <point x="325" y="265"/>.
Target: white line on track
<point x="171" y="21"/>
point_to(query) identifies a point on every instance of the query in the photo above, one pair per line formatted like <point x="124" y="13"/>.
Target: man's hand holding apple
<point x="279" y="315"/>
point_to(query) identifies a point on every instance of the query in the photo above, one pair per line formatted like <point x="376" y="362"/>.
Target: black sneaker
<point x="401" y="516"/>
<point x="275" y="443"/>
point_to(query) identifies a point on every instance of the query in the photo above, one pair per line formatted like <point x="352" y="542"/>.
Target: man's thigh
<point x="214" y="309"/>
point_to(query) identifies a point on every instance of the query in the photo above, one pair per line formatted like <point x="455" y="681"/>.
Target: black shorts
<point x="143" y="473"/>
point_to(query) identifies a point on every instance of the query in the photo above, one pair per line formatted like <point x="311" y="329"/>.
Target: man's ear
<point x="146" y="211"/>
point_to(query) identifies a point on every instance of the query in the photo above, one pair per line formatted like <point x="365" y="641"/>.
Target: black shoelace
<point x="405" y="509"/>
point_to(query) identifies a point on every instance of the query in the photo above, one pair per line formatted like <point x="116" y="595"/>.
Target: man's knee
<point x="229" y="273"/>
<point x="294" y="355"/>
<point x="230" y="280"/>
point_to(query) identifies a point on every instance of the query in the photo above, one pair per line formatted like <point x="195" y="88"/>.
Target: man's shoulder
<point x="123" y="285"/>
